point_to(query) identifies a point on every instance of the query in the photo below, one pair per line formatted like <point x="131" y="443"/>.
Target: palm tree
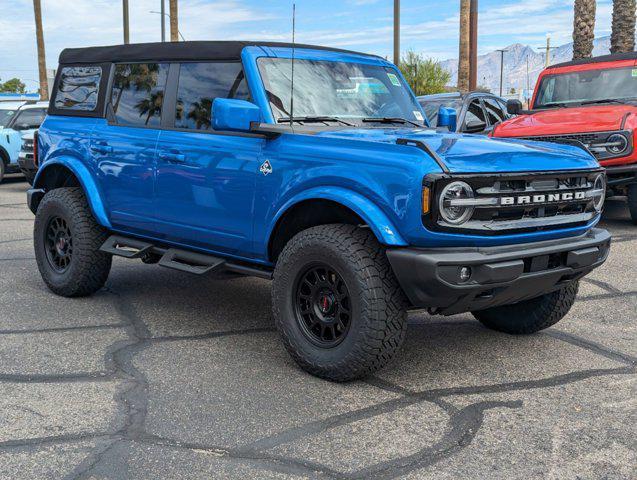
<point x="39" y="36"/>
<point x="174" y="23"/>
<point x="622" y="38"/>
<point x="151" y="106"/>
<point x="200" y="113"/>
<point x="583" y="28"/>
<point x="463" y="61"/>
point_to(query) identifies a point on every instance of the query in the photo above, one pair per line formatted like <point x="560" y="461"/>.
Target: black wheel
<point x="337" y="303"/>
<point x="530" y="316"/>
<point x="67" y="240"/>
<point x="3" y="169"/>
<point x="632" y="201"/>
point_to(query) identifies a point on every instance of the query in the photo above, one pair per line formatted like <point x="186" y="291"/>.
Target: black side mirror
<point x="475" y="127"/>
<point x="514" y="107"/>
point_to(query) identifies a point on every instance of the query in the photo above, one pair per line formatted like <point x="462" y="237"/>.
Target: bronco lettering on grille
<point x="543" y="198"/>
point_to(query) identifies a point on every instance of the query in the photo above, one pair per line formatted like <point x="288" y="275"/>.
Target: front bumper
<point x="27" y="163"/>
<point x="621" y="175"/>
<point x="499" y="275"/>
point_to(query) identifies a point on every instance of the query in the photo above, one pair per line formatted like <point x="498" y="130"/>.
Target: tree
<point x="39" y="37"/>
<point x="13" y="85"/>
<point x="424" y="75"/>
<point x="622" y="38"/>
<point x="463" y="58"/>
<point x="583" y="28"/>
<point x="174" y="21"/>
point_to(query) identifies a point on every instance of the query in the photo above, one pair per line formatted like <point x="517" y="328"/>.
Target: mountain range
<point x="515" y="65"/>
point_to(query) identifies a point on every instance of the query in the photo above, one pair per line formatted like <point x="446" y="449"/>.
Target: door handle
<point x="172" y="157"/>
<point x="101" y="148"/>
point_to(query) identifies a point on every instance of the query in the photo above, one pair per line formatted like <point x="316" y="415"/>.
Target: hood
<point x="558" y="121"/>
<point x="477" y="153"/>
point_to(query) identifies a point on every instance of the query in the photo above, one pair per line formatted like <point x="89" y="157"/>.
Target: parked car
<point x="193" y="156"/>
<point x="26" y="159"/>
<point x="16" y="119"/>
<point x="477" y="112"/>
<point x="592" y="102"/>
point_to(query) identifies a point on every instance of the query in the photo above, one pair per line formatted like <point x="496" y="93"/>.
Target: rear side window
<point x="138" y="93"/>
<point x="475" y="113"/>
<point x="78" y="88"/>
<point x="199" y="84"/>
<point x="494" y="111"/>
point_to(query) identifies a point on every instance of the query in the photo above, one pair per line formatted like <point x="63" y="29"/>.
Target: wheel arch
<point x="68" y="172"/>
<point x="4" y="156"/>
<point x="322" y="206"/>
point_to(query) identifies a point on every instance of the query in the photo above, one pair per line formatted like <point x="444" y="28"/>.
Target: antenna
<point x="293" y="54"/>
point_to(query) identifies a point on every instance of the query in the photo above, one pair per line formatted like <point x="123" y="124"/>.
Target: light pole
<point x="473" y="45"/>
<point x="501" y="68"/>
<point x="396" y="32"/>
<point x="125" y="17"/>
<point x="163" y="21"/>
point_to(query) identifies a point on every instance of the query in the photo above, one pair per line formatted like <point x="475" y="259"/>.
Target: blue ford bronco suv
<point x="315" y="168"/>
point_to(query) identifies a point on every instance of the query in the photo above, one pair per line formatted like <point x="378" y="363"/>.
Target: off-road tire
<point x="88" y="268"/>
<point x="632" y="201"/>
<point x="3" y="168"/>
<point x="378" y="305"/>
<point x="530" y="316"/>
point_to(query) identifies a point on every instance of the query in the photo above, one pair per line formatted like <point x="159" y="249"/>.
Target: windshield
<point x="573" y="89"/>
<point x="5" y="117"/>
<point x="338" y="90"/>
<point x="431" y="108"/>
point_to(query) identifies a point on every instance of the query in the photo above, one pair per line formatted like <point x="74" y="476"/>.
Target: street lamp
<point x="396" y="32"/>
<point x="501" y="67"/>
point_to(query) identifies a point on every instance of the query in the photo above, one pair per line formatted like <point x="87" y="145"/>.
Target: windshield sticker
<point x="394" y="79"/>
<point x="634" y="72"/>
<point x="363" y="86"/>
<point x="419" y="116"/>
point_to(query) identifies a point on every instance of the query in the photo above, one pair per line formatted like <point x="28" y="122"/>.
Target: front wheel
<point x="3" y="169"/>
<point x="530" y="316"/>
<point x="337" y="303"/>
<point x="632" y="201"/>
<point x="67" y="240"/>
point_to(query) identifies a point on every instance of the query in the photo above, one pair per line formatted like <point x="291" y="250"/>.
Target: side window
<point x="494" y="111"/>
<point x="475" y="113"/>
<point x="28" y="118"/>
<point x="138" y="93"/>
<point x="78" y="88"/>
<point x="199" y="85"/>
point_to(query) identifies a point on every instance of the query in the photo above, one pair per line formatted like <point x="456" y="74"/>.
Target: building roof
<point x="603" y="58"/>
<point x="173" y="51"/>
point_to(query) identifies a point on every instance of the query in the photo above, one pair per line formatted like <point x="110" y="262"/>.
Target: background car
<point x="26" y="159"/>
<point x="478" y="112"/>
<point x="16" y="119"/>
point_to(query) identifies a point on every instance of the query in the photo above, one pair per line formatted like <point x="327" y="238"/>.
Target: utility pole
<point x="548" y="51"/>
<point x="174" y="21"/>
<point x="501" y="68"/>
<point x="39" y="38"/>
<point x="463" y="46"/>
<point x="163" y="21"/>
<point x="473" y="45"/>
<point x="396" y="32"/>
<point x="125" y="17"/>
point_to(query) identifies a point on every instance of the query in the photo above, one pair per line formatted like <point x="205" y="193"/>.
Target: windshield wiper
<point x="606" y="100"/>
<point x="557" y="105"/>
<point x="399" y="120"/>
<point x="317" y="119"/>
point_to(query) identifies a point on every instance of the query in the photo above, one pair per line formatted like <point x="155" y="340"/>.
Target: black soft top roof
<point x="172" y="51"/>
<point x="602" y="58"/>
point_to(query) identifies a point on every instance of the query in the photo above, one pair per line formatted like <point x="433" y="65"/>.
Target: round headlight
<point x="599" y="187"/>
<point x="617" y="144"/>
<point x="450" y="204"/>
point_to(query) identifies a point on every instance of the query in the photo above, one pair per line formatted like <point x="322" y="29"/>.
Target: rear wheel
<point x="67" y="240"/>
<point x="3" y="169"/>
<point x="337" y="304"/>
<point x="530" y="316"/>
<point x="632" y="201"/>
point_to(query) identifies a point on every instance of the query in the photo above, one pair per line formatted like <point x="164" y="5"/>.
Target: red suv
<point x="590" y="102"/>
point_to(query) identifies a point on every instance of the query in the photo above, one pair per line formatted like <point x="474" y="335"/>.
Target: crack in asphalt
<point x="16" y="240"/>
<point x="603" y="285"/>
<point x="62" y="329"/>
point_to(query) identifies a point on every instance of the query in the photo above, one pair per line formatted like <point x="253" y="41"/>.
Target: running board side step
<point x="178" y="259"/>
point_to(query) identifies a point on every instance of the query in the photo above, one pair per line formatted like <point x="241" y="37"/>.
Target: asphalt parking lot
<point x="164" y="375"/>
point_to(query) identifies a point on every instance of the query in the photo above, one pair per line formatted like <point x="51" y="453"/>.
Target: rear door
<point x="123" y="146"/>
<point x="205" y="179"/>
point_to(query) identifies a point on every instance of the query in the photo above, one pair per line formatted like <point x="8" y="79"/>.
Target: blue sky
<point x="428" y="26"/>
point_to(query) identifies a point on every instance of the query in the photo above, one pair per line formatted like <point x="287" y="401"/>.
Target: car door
<point x="475" y="120"/>
<point x="123" y="146"/>
<point x="205" y="179"/>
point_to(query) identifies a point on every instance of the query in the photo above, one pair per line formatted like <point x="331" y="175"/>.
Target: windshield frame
<point x="576" y="103"/>
<point x="333" y="57"/>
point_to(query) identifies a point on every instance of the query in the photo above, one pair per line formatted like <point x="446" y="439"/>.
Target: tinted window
<point x="138" y="93"/>
<point x="431" y="108"/>
<point x="474" y="113"/>
<point x="78" y="88"/>
<point x="5" y="117"/>
<point x="199" y="85"/>
<point x="30" y="118"/>
<point x="494" y="111"/>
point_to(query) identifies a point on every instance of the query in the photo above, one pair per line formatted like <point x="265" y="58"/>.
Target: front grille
<point x="600" y="144"/>
<point x="512" y="203"/>
<point x="27" y="146"/>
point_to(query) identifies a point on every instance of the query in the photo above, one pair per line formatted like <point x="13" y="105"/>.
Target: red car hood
<point x="559" y="121"/>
